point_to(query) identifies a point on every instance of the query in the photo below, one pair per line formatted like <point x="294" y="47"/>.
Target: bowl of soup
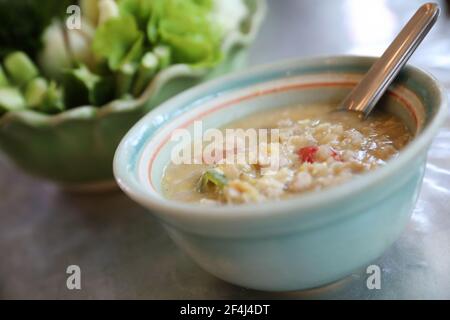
<point x="265" y="183"/>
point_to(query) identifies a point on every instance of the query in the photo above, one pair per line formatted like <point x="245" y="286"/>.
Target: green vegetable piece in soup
<point x="212" y="178"/>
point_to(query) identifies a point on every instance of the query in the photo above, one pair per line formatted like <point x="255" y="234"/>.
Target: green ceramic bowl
<point x="76" y="148"/>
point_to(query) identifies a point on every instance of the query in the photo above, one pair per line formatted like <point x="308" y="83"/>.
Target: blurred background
<point x="124" y="253"/>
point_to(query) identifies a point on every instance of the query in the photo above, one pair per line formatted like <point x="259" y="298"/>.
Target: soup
<point x="315" y="149"/>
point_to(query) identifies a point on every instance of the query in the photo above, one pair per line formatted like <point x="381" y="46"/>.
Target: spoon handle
<point x="370" y="89"/>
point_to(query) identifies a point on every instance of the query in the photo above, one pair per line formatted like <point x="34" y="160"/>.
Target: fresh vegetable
<point x="107" y="9"/>
<point x="125" y="78"/>
<point x="141" y="10"/>
<point x="212" y="178"/>
<point x="147" y="69"/>
<point x="82" y="87"/>
<point x="20" y="68"/>
<point x="53" y="101"/>
<point x="24" y="75"/>
<point x="121" y="46"/>
<point x="27" y="89"/>
<point x="187" y="28"/>
<point x="3" y="79"/>
<point x="115" y="39"/>
<point x="35" y="92"/>
<point x="164" y="56"/>
<point x="64" y="49"/>
<point x="229" y="14"/>
<point x="11" y="100"/>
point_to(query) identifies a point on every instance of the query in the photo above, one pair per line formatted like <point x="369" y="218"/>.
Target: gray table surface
<point x="124" y="253"/>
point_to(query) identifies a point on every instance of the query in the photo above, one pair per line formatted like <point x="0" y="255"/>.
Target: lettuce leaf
<point x="141" y="10"/>
<point x="115" y="38"/>
<point x="187" y="28"/>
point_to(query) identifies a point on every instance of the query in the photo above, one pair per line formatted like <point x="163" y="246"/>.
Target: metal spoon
<point x="369" y="90"/>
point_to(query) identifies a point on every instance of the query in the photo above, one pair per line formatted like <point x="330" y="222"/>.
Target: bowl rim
<point x="87" y="112"/>
<point x="296" y="205"/>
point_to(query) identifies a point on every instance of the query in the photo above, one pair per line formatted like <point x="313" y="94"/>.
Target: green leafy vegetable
<point x="4" y="82"/>
<point x="83" y="87"/>
<point x="35" y="92"/>
<point x="107" y="9"/>
<point x="125" y="76"/>
<point x="53" y="101"/>
<point x="141" y="10"/>
<point x="134" y="55"/>
<point x="131" y="41"/>
<point x="164" y="56"/>
<point x="43" y="96"/>
<point x="20" y="68"/>
<point x="147" y="69"/>
<point x="212" y="178"/>
<point x="115" y="38"/>
<point x="186" y="27"/>
<point x="11" y="99"/>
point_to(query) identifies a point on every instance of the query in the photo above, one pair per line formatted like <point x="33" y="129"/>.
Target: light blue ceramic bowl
<point x="312" y="239"/>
